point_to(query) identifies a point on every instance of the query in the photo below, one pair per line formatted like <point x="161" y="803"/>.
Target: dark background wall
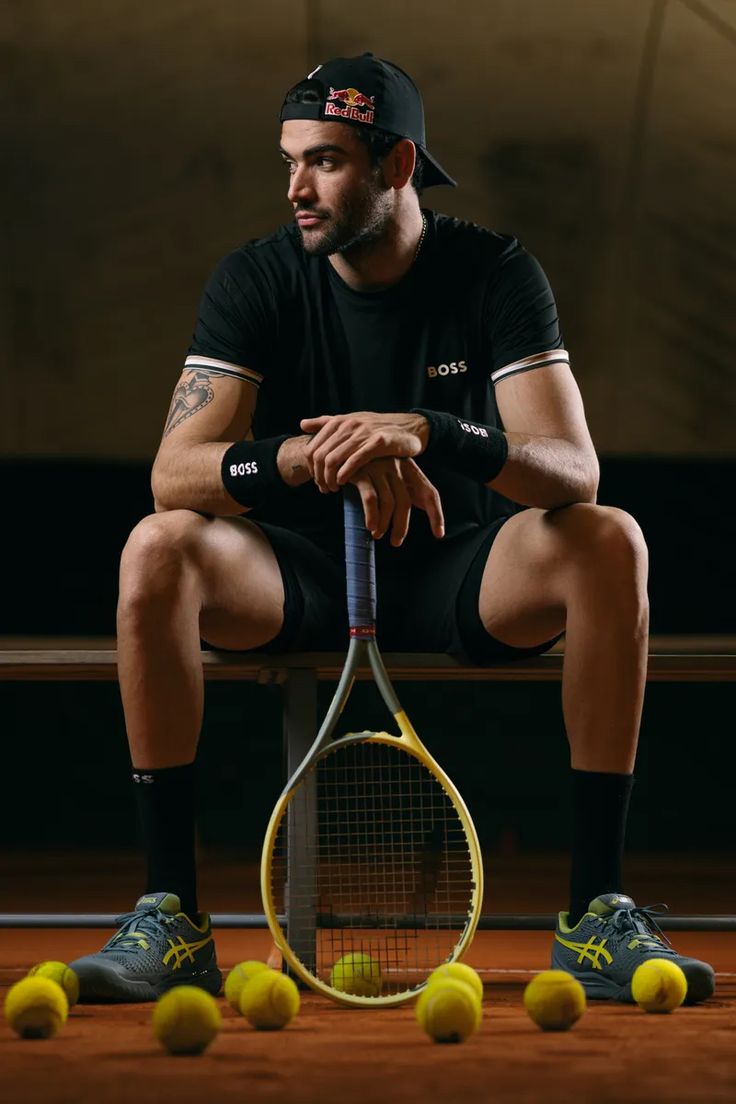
<point x="139" y="145"/>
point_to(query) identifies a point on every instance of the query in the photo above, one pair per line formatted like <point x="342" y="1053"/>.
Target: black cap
<point x="369" y="91"/>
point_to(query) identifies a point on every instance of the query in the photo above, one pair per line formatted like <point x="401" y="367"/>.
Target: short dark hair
<point x="378" y="142"/>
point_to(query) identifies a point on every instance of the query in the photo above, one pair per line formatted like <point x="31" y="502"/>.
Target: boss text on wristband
<point x="469" y="448"/>
<point x="249" y="470"/>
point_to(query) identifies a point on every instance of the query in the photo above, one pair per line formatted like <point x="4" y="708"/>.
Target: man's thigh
<point x="218" y="572"/>
<point x="223" y="564"/>
<point x="315" y="616"/>
<point x="432" y="603"/>
<point x="417" y="592"/>
<point x="521" y="599"/>
<point x="422" y="605"/>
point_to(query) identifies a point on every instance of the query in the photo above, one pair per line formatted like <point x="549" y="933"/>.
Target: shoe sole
<point x="700" y="984"/>
<point x="599" y="988"/>
<point x="99" y="985"/>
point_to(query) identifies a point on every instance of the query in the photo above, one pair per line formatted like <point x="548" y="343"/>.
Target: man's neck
<point x="376" y="265"/>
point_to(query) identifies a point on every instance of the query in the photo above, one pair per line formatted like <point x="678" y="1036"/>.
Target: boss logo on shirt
<point x="248" y="467"/>
<point x="454" y="368"/>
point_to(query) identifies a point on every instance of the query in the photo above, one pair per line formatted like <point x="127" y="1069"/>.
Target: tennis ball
<point x="62" y="975"/>
<point x="36" y="1007"/>
<point x="460" y="972"/>
<point x="269" y="1000"/>
<point x="658" y="985"/>
<point x="238" y="977"/>
<point x="448" y="1010"/>
<point x="186" y="1020"/>
<point x="555" y="1000"/>
<point x="358" y="974"/>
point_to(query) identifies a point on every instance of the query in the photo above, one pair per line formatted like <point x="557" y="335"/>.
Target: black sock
<point x="600" y="805"/>
<point x="166" y="805"/>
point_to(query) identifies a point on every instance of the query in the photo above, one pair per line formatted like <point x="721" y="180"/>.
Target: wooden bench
<point x="671" y="659"/>
<point x="679" y="659"/>
<point x="91" y="659"/>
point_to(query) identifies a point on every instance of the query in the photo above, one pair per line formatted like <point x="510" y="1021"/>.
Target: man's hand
<point x="344" y="443"/>
<point x="388" y="489"/>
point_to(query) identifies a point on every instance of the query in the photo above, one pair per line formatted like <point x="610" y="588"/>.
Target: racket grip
<point x="360" y="563"/>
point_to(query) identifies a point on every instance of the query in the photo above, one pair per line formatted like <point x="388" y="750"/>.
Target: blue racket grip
<point x="360" y="563"/>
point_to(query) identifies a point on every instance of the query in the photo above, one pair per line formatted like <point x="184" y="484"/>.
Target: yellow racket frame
<point x="408" y="740"/>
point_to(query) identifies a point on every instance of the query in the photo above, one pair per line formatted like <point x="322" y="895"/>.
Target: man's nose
<point x="300" y="186"/>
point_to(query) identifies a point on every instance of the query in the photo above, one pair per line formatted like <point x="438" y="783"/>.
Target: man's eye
<point x="325" y="162"/>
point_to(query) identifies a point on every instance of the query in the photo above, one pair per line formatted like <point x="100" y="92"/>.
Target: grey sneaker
<point x="614" y="937"/>
<point x="156" y="948"/>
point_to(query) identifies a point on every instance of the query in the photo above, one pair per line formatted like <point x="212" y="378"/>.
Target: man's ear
<point x="398" y="164"/>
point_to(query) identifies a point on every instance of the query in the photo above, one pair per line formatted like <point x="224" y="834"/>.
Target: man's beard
<point x="361" y="222"/>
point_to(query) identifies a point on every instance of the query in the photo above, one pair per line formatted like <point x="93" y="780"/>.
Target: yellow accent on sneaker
<point x="648" y="944"/>
<point x="180" y="951"/>
<point x="591" y="950"/>
<point x="139" y="938"/>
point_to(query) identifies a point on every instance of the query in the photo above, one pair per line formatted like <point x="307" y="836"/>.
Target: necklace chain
<point x="421" y="237"/>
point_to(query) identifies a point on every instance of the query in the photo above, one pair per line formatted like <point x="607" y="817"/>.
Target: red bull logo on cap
<point x="356" y="106"/>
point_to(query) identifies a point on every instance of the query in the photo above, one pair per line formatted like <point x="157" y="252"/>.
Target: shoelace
<point x="642" y="922"/>
<point x="147" y="922"/>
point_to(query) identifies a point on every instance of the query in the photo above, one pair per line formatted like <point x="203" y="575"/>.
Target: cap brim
<point x="434" y="173"/>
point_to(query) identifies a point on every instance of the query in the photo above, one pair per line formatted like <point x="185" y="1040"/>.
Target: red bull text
<point x="352" y="102"/>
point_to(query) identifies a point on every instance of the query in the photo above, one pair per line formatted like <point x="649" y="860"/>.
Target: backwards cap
<point x="368" y="91"/>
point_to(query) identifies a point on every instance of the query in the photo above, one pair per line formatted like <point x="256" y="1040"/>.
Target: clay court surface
<point x="328" y="1054"/>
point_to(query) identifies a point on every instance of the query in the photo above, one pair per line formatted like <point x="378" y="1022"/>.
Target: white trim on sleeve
<point x="553" y="356"/>
<point x="194" y="360"/>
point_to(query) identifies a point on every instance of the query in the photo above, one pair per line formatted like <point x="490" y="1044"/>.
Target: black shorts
<point x="426" y="603"/>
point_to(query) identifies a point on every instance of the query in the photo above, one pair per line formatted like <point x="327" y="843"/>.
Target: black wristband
<point x="472" y="449"/>
<point x="249" y="470"/>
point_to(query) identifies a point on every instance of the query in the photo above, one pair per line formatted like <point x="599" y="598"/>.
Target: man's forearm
<point x="546" y="472"/>
<point x="292" y="461"/>
<point x="190" y="478"/>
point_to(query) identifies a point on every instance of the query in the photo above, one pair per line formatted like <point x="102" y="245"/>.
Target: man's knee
<point x="605" y="540"/>
<point x="158" y="554"/>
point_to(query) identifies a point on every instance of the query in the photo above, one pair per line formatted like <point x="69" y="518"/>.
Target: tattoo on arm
<point x="301" y="470"/>
<point x="191" y="395"/>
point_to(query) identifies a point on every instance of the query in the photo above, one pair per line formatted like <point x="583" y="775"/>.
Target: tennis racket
<point x="371" y="872"/>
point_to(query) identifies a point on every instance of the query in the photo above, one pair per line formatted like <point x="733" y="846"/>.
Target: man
<point x="418" y="357"/>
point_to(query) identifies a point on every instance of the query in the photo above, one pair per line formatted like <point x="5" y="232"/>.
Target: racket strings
<point x="379" y="865"/>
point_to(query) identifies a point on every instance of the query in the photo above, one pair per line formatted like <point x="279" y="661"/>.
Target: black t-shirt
<point x="474" y="308"/>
